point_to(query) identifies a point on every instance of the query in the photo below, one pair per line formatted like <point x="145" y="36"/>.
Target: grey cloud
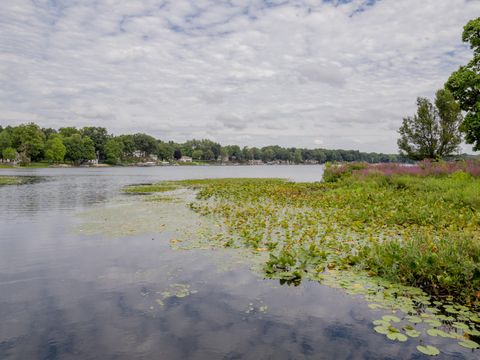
<point x="328" y="74"/>
<point x="232" y="121"/>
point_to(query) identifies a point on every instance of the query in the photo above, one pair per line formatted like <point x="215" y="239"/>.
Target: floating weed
<point x="174" y="291"/>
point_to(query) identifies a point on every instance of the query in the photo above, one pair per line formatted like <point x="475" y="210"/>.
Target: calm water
<point x="69" y="296"/>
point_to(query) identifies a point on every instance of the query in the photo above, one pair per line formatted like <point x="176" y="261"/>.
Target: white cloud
<point x="253" y="72"/>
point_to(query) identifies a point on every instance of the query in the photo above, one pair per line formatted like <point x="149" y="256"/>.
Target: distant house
<point x="138" y="154"/>
<point x="185" y="159"/>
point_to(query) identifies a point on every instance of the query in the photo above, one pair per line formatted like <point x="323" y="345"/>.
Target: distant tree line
<point x="30" y="142"/>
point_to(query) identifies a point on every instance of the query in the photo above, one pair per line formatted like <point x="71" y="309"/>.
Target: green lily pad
<point x="461" y="326"/>
<point x="437" y="332"/>
<point x="382" y="330"/>
<point x="433" y="322"/>
<point x="413" y="333"/>
<point x="469" y="344"/>
<point x="381" y="323"/>
<point x="428" y="350"/>
<point x="391" y="318"/>
<point x="414" y="319"/>
<point x="397" y="336"/>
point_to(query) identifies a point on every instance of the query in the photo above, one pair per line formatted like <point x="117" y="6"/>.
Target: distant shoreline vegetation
<point x="31" y="145"/>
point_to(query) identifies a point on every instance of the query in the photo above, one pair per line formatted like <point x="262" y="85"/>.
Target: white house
<point x="185" y="159"/>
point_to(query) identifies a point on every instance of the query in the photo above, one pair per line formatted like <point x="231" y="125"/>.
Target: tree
<point x="99" y="136"/>
<point x="54" y="149"/>
<point x="79" y="148"/>
<point x="5" y="140"/>
<point x="9" y="153"/>
<point x="29" y="140"/>
<point x="465" y="85"/>
<point x="145" y="143"/>
<point x="165" y="151"/>
<point x="433" y="132"/>
<point x="113" y="150"/>
<point x="197" y="154"/>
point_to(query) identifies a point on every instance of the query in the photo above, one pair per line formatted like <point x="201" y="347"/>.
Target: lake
<point x="68" y="291"/>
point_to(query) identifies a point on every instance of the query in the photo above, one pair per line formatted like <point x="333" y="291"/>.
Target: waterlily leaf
<point x="461" y="326"/>
<point x="375" y="306"/>
<point x="382" y="330"/>
<point x="381" y="323"/>
<point x="469" y="344"/>
<point x="414" y="319"/>
<point x="428" y="350"/>
<point x="391" y="318"/>
<point x="433" y="322"/>
<point x="473" y="332"/>
<point x="397" y="336"/>
<point x="437" y="332"/>
<point x="413" y="333"/>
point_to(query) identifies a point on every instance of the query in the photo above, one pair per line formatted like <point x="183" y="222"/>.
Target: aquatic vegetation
<point x="174" y="291"/>
<point x="410" y="245"/>
<point x="10" y="180"/>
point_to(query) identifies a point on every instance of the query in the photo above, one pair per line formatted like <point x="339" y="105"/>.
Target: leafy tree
<point x="68" y="131"/>
<point x="78" y="148"/>
<point x="197" y="154"/>
<point x="54" y="149"/>
<point x="128" y="144"/>
<point x="177" y="154"/>
<point x="465" y="85"/>
<point x="29" y="140"/>
<point x="113" y="150"/>
<point x="433" y="132"/>
<point x="5" y="140"/>
<point x="9" y="153"/>
<point x="99" y="136"/>
<point x="145" y="143"/>
<point x="49" y="132"/>
<point x="165" y="151"/>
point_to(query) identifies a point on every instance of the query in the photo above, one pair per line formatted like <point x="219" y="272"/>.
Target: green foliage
<point x="99" y="136"/>
<point x="5" y="140"/>
<point x="78" y="148"/>
<point x="55" y="150"/>
<point x="465" y="85"/>
<point x="9" y="153"/>
<point x="433" y="132"/>
<point x="113" y="150"/>
<point x="29" y="141"/>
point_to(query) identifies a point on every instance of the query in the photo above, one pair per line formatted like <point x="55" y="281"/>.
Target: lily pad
<point x="391" y="318"/>
<point x="469" y="344"/>
<point x="397" y="336"/>
<point x="382" y="330"/>
<point x="428" y="350"/>
<point x="413" y="333"/>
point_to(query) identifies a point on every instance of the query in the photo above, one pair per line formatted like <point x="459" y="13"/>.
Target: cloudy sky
<point x="310" y="73"/>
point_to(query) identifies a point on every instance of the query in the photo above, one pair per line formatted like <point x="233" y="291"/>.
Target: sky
<point x="305" y="73"/>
